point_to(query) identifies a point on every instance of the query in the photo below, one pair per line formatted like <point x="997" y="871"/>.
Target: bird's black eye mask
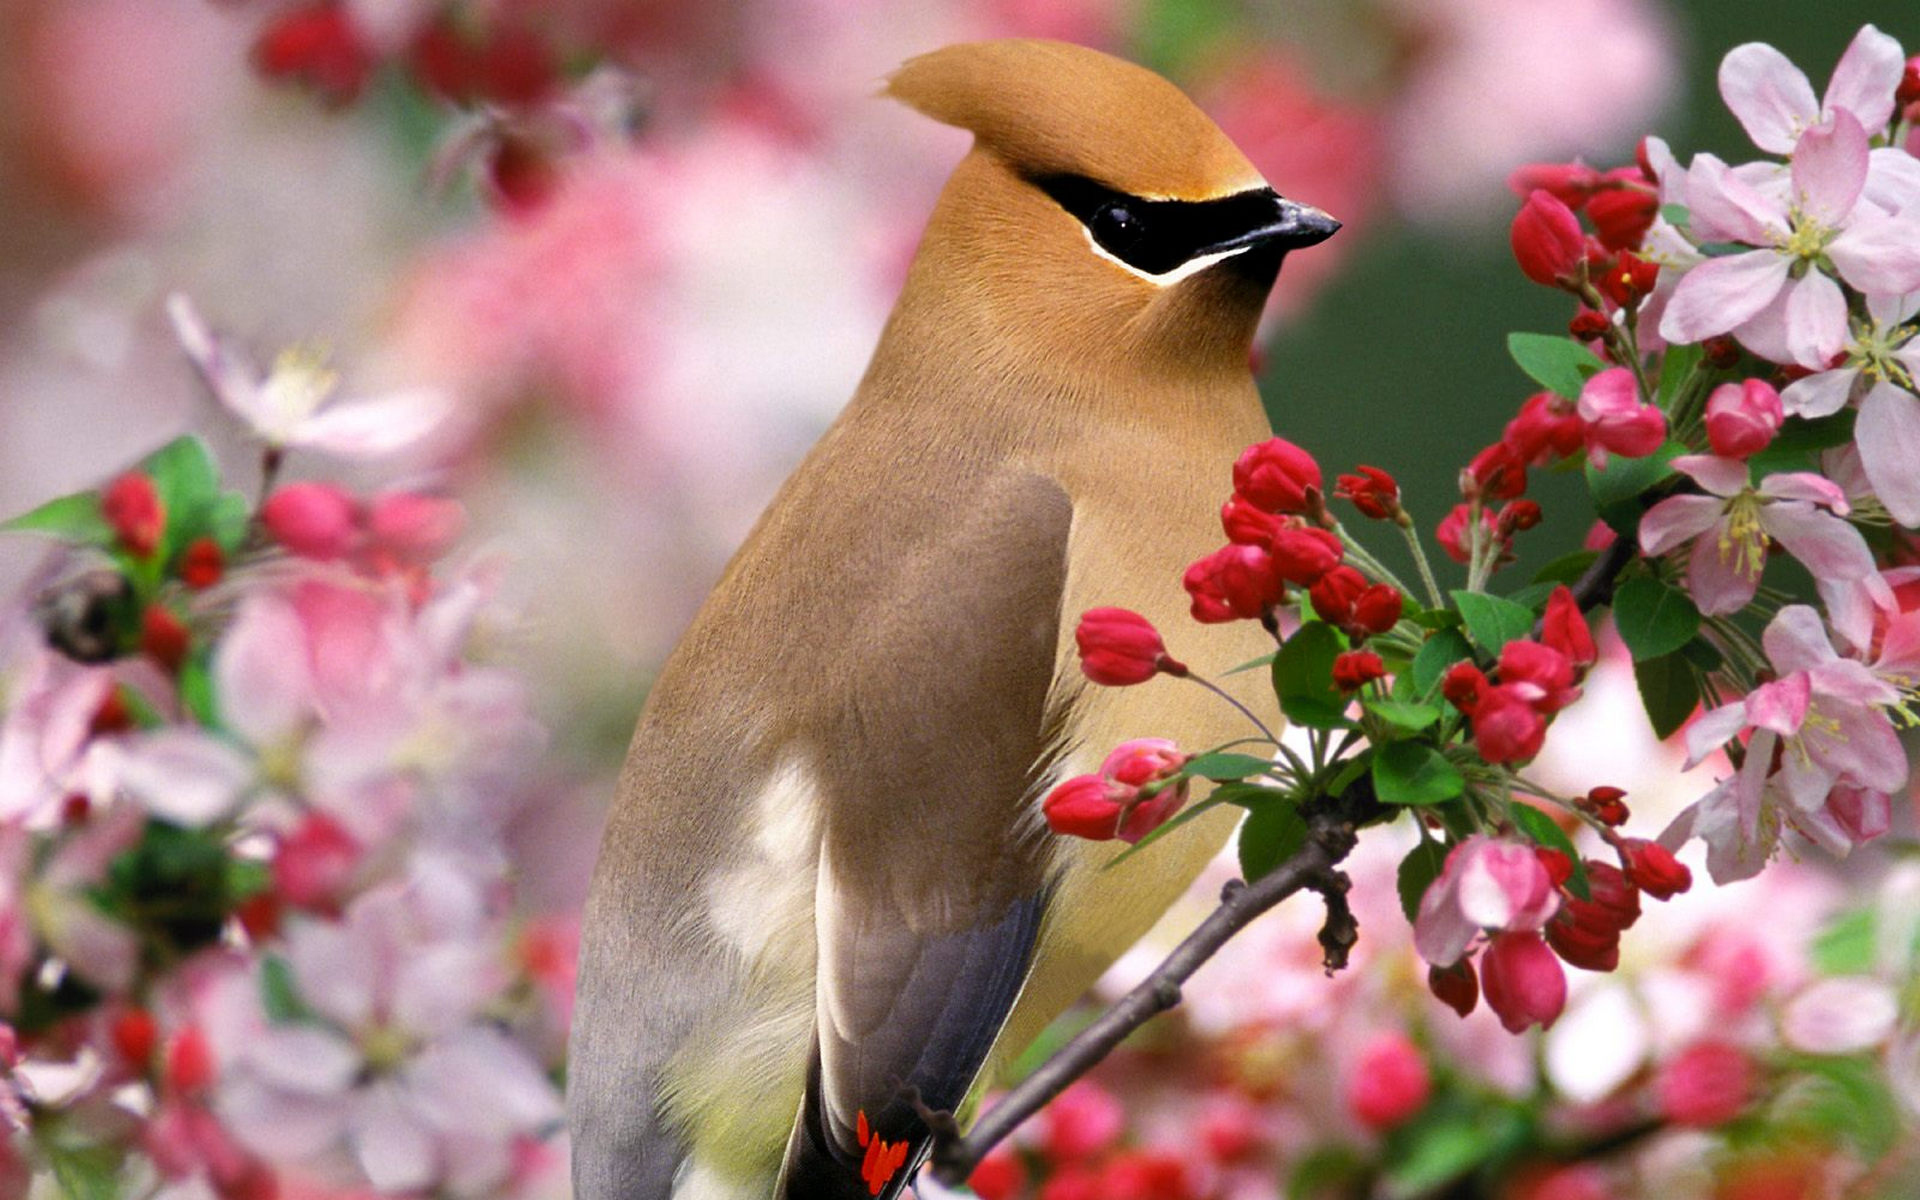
<point x="1157" y="237"/>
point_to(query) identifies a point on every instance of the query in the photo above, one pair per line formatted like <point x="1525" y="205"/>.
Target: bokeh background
<point x="644" y="344"/>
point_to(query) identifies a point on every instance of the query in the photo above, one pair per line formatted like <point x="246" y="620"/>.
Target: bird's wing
<point x="933" y="868"/>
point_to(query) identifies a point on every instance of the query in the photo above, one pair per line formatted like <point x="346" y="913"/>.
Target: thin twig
<point x="1313" y="867"/>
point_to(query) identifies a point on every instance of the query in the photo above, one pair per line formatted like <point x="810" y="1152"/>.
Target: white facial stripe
<point x="1192" y="266"/>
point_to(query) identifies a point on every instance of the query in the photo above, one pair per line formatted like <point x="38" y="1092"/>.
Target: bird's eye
<point x="1117" y="226"/>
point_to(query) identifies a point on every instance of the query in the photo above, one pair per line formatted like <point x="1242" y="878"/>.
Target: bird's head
<point x="1100" y="208"/>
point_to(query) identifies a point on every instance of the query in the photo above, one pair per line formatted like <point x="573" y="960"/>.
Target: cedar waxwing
<point x="826" y="887"/>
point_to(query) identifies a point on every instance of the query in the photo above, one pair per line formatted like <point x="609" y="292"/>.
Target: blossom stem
<point x="1246" y="712"/>
<point x="1366" y="561"/>
<point x="1434" y="597"/>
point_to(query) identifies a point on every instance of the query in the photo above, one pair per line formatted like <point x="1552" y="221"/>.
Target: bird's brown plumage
<point x="826" y="860"/>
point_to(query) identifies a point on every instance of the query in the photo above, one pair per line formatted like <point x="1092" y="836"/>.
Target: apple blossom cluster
<point x="508" y="73"/>
<point x="1756" y="1053"/>
<point x="1740" y="386"/>
<point x="256" y="926"/>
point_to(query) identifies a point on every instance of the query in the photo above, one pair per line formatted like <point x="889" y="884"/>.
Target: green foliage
<point x="1436" y="654"/>
<point x="1303" y="677"/>
<point x="1413" y="773"/>
<point x="76" y="518"/>
<point x="1493" y="621"/>
<point x="1653" y="618"/>
<point x="1222" y="767"/>
<point x="1849" y="945"/>
<point x="1567" y="568"/>
<point x="1543" y="831"/>
<point x="1411" y="717"/>
<point x="1670" y="691"/>
<point x="1417" y="872"/>
<point x="1555" y="362"/>
<point x="1617" y="487"/>
<point x="1272" y="833"/>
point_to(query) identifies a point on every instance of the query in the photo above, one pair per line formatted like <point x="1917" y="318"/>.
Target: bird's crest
<point x="1053" y="108"/>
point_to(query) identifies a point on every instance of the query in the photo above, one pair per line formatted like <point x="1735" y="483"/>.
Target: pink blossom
<point x="1742" y="418"/>
<point x="1487" y="883"/>
<point x="1779" y="299"/>
<point x="293" y="406"/>
<point x="1842" y="1015"/>
<point x="1389" y="1081"/>
<point x="1615" y="420"/>
<point x="1522" y="980"/>
<point x="1706" y="1084"/>
<point x="1732" y="526"/>
<point x="1774" y="101"/>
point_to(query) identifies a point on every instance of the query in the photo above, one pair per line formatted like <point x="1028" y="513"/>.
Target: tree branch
<point x="1331" y="836"/>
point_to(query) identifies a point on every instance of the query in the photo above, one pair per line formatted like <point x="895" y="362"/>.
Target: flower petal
<point x="1888" y="435"/>
<point x="1819" y="395"/>
<point x="394" y="1146"/>
<point x="1719" y="475"/>
<point x="1712" y="730"/>
<point x="1879" y="254"/>
<point x="1826" y="546"/>
<point x="369" y="428"/>
<point x="1805" y="485"/>
<point x="1865" y="78"/>
<point x="1770" y="96"/>
<point x="1722" y="293"/>
<point x="260" y="671"/>
<point x="1723" y="574"/>
<point x="1830" y="168"/>
<point x="1893" y="184"/>
<point x="185" y="776"/>
<point x="307" y="1059"/>
<point x="1796" y="640"/>
<point x="1677" y="519"/>
<point x="1725" y="205"/>
<point x="232" y="380"/>
<point x="1816" y="320"/>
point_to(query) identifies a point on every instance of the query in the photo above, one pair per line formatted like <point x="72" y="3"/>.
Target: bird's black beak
<point x="1282" y="225"/>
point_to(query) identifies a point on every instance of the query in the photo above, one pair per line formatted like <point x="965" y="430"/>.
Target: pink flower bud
<point x="1507" y="727"/>
<point x="999" y="1176"/>
<point x="1086" y="806"/>
<point x="415" y="528"/>
<point x="1245" y="524"/>
<point x="1743" y="417"/>
<point x="1547" y="240"/>
<point x="1355" y="669"/>
<point x="1705" y="1085"/>
<point x="313" y="520"/>
<point x="1540" y="673"/>
<point x="1564" y="627"/>
<point x="1653" y="869"/>
<point x="314" y="864"/>
<point x="1455" y="986"/>
<point x="1083" y="1122"/>
<point x="1374" y="492"/>
<point x="1615" y="419"/>
<point x="1231" y="1128"/>
<point x="319" y="45"/>
<point x="1275" y="475"/>
<point x="1452" y="532"/>
<point x="1120" y="647"/>
<point x="1524" y="983"/>
<point x="132" y="506"/>
<point x="1302" y="556"/>
<point x="1569" y="183"/>
<point x="1233" y="583"/>
<point x="190" y="1067"/>
<point x="1546" y="430"/>
<point x="1389" y="1082"/>
<point x="1517" y="516"/>
<point x="1463" y="685"/>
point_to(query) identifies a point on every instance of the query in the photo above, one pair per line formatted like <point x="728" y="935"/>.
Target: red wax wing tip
<point x="862" y="1130"/>
<point x="883" y="1160"/>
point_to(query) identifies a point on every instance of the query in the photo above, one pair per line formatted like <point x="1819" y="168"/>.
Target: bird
<point x="827" y="903"/>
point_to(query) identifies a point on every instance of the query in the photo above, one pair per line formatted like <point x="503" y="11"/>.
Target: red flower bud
<point x="1456" y="986"/>
<point x="1569" y="183"/>
<point x="202" y="564"/>
<point x="112" y="716"/>
<point x="1084" y="1121"/>
<point x="1452" y="532"/>
<point x="1586" y="933"/>
<point x="1524" y="982"/>
<point x="1389" y="1082"/>
<point x="1605" y="805"/>
<point x="1721" y="352"/>
<point x="1333" y="594"/>
<point x="999" y="1176"/>
<point x="1705" y="1085"/>
<point x="1559" y="866"/>
<point x="164" y="637"/>
<point x="314" y="864"/>
<point x="1086" y="806"/>
<point x="1909" y="90"/>
<point x="1275" y="475"/>
<point x="1743" y="417"/>
<point x="132" y="506"/>
<point x="1377" y="609"/>
<point x="1302" y="556"/>
<point x="1547" y="430"/>
<point x="1355" y="669"/>
<point x="1245" y="524"/>
<point x="1564" y="627"/>
<point x="1507" y="728"/>
<point x="318" y="45"/>
<point x="1628" y="279"/>
<point x="135" y="1034"/>
<point x="1463" y="685"/>
<point x="1588" y="324"/>
<point x="190" y="1067"/>
<point x="1119" y="647"/>
<point x="1654" y="869"/>
<point x="1539" y="673"/>
<point x="1517" y="517"/>
<point x="1498" y="472"/>
<point x="1233" y="583"/>
<point x="1547" y="240"/>
<point x="313" y="520"/>
<point x="1374" y="492"/>
<point x="1622" y="216"/>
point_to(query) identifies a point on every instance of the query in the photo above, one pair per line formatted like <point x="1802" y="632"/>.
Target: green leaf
<point x="1845" y="1098"/>
<point x="1303" y="677"/>
<point x="1555" y="362"/>
<point x="1849" y="945"/>
<point x="278" y="996"/>
<point x="1418" y="870"/>
<point x="1703" y="654"/>
<point x="197" y="692"/>
<point x="184" y="474"/>
<point x="1189" y="813"/>
<point x="1820" y="433"/>
<point x="83" y="1172"/>
<point x="1533" y="596"/>
<point x="1567" y="568"/>
<point x="1543" y="831"/>
<point x="1414" y="773"/>
<point x="1723" y="249"/>
<point x="1436" y="654"/>
<point x="227" y="521"/>
<point x="1402" y="715"/>
<point x="1668" y="690"/>
<point x="1271" y="834"/>
<point x="1653" y="618"/>
<point x="1493" y="621"/>
<point x="1332" y="1170"/>
<point x="1438" y="1152"/>
<point x="1265" y="660"/>
<point x="74" y="518"/>
<point x="1675" y="214"/>
<point x="1675" y="367"/>
<point x="1623" y="479"/>
<point x="1357" y="766"/>
<point x="1222" y="767"/>
<point x="1434" y="618"/>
